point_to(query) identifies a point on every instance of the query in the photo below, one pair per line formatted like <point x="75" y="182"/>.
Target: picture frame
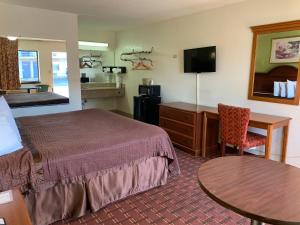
<point x="285" y="50"/>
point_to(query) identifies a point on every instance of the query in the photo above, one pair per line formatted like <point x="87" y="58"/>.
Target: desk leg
<point x="269" y="141"/>
<point x="284" y="143"/>
<point x="204" y="131"/>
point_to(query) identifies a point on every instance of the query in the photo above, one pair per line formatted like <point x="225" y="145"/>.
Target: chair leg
<point x="235" y="148"/>
<point x="241" y="151"/>
<point x="223" y="146"/>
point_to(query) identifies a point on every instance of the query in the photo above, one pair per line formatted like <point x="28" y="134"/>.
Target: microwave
<point x="150" y="90"/>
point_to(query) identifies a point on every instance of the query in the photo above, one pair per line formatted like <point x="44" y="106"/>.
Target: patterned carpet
<point x="180" y="202"/>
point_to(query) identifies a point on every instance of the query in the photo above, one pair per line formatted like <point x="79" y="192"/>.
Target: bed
<point x="264" y="82"/>
<point x="35" y="99"/>
<point x="83" y="160"/>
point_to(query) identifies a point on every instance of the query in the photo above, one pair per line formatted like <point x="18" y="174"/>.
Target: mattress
<point x="35" y="99"/>
<point x="81" y="143"/>
<point x="84" y="160"/>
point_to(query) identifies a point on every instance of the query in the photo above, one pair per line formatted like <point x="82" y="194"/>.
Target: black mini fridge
<point x="146" y="107"/>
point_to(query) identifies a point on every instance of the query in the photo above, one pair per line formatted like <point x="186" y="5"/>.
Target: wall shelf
<point x="109" y="69"/>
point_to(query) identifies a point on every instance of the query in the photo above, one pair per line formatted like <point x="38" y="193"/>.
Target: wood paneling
<point x="259" y="189"/>
<point x="181" y="139"/>
<point x="178" y="115"/>
<point x="183" y="128"/>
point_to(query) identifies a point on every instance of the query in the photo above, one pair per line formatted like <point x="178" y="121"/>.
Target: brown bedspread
<point x="41" y="98"/>
<point x="16" y="170"/>
<point x="79" y="144"/>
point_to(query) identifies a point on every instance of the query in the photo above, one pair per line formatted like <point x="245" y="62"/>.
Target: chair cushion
<point x="254" y="140"/>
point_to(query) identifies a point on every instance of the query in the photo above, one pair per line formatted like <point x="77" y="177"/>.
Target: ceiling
<point x="122" y="14"/>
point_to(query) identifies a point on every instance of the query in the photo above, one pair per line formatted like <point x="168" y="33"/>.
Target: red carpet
<point x="179" y="202"/>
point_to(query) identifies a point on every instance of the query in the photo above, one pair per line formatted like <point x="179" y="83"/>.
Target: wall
<point x="90" y="31"/>
<point x="45" y="24"/>
<point x="264" y="45"/>
<point x="228" y="29"/>
<point x="45" y="49"/>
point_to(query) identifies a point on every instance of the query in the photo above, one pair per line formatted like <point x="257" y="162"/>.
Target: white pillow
<point x="9" y="141"/>
<point x="4" y="108"/>
<point x="276" y="88"/>
<point x="282" y="89"/>
<point x="291" y="88"/>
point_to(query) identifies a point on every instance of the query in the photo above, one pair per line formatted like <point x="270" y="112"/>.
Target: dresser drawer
<point x="180" y="139"/>
<point x="178" y="115"/>
<point x="178" y="127"/>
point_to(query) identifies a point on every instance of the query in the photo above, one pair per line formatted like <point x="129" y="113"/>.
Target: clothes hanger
<point x="141" y="66"/>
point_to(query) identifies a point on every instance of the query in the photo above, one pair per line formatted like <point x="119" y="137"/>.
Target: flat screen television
<point x="200" y="60"/>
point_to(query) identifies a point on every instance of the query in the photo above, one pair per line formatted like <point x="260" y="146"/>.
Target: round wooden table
<point x="262" y="190"/>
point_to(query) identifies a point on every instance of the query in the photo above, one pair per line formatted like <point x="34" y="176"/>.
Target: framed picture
<point x="285" y="50"/>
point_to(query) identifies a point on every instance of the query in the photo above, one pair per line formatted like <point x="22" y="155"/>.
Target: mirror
<point x="92" y="59"/>
<point x="42" y="69"/>
<point x="274" y="74"/>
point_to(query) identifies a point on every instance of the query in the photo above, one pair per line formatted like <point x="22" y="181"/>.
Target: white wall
<point x="228" y="29"/>
<point x="91" y="31"/>
<point x="45" y="24"/>
<point x="45" y="49"/>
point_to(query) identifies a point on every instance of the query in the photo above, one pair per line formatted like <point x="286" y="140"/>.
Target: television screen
<point x="199" y="60"/>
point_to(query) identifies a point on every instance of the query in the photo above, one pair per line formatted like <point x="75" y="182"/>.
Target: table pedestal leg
<point x="255" y="222"/>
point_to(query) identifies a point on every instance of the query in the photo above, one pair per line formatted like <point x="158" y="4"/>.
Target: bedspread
<point x="80" y="144"/>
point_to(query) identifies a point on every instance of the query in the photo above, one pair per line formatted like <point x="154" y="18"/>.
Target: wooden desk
<point x="262" y="190"/>
<point x="177" y="117"/>
<point x="258" y="120"/>
<point x="15" y="212"/>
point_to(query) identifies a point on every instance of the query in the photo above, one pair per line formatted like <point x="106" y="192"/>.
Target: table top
<point x="15" y="212"/>
<point x="256" y="188"/>
<point x="29" y="87"/>
<point x="256" y="117"/>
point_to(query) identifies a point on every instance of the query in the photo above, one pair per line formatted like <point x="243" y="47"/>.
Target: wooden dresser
<point x="183" y="122"/>
<point x="195" y="128"/>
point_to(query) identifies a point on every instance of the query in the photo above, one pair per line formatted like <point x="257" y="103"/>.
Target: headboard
<point x="264" y="82"/>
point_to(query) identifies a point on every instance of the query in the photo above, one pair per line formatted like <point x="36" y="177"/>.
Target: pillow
<point x="276" y="88"/>
<point x="282" y="89"/>
<point x="9" y="141"/>
<point x="4" y="108"/>
<point x="291" y="88"/>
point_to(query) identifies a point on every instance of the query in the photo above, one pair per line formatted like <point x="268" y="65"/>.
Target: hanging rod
<point x="137" y="52"/>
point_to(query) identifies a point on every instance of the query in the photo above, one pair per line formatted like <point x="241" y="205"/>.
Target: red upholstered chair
<point x="234" y="129"/>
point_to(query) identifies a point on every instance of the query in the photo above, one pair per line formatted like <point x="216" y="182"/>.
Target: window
<point x="28" y="66"/>
<point x="60" y="73"/>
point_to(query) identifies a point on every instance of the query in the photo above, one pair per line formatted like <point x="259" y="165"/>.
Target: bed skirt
<point x="73" y="200"/>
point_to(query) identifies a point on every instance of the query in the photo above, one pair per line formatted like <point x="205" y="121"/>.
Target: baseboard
<point x="122" y="113"/>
